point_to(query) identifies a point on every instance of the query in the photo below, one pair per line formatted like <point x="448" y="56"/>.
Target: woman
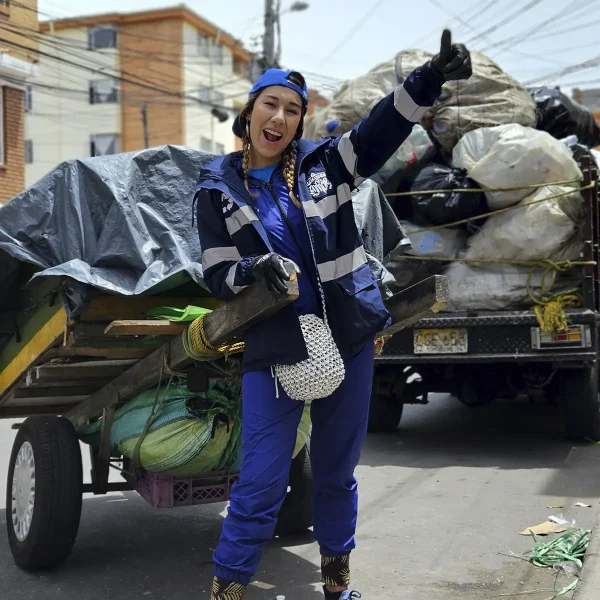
<point x="283" y="205"/>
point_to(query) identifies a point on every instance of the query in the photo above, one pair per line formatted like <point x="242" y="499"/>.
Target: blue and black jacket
<point x="232" y="234"/>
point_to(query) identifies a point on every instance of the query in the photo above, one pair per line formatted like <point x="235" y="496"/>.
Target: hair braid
<point x="246" y="162"/>
<point x="289" y="172"/>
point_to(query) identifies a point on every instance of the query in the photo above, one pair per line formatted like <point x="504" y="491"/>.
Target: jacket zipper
<point x="290" y="227"/>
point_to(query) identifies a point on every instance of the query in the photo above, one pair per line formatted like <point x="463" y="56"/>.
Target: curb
<point x="588" y="587"/>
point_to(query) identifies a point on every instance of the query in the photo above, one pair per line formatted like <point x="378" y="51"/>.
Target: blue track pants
<point x="269" y="424"/>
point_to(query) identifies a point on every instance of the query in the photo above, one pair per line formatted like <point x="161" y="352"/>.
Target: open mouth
<point x="272" y="136"/>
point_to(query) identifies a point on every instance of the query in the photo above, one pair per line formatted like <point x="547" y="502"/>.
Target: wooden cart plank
<point x="232" y="318"/>
<point x="250" y="306"/>
<point x="96" y="369"/>
<point x="48" y="335"/>
<point x="106" y="308"/>
<point x="57" y="391"/>
<point x="108" y="353"/>
<point x="91" y="335"/>
<point x="144" y="327"/>
<point x="416" y="302"/>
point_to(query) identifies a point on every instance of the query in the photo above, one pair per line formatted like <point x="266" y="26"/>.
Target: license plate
<point x="440" y="341"/>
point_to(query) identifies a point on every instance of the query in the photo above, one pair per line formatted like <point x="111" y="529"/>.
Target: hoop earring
<point x="248" y="129"/>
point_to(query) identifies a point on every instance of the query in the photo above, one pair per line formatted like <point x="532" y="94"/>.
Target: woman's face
<point x="274" y="122"/>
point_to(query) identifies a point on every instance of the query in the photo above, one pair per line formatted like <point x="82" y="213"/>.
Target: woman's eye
<point x="291" y="111"/>
<point x="270" y="103"/>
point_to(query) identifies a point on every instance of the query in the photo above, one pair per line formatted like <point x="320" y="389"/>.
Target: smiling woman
<point x="281" y="206"/>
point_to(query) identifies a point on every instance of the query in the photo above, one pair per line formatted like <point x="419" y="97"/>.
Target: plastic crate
<point x="166" y="491"/>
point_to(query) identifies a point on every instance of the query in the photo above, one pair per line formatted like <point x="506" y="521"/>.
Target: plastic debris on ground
<point x="561" y="116"/>
<point x="446" y="206"/>
<point x="565" y="553"/>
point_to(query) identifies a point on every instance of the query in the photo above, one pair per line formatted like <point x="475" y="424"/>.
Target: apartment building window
<point x="203" y="44"/>
<point x="28" y="152"/>
<point x="1" y="125"/>
<point x="205" y="144"/>
<point x="103" y="91"/>
<point x="218" y="54"/>
<point x="240" y="67"/>
<point x="219" y="148"/>
<point x="28" y="98"/>
<point x="206" y="94"/>
<point x="102" y="36"/>
<point x="104" y="144"/>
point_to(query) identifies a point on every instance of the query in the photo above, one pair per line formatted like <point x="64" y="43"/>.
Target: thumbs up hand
<point x="453" y="61"/>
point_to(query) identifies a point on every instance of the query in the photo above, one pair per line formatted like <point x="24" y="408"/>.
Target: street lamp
<point x="298" y="7"/>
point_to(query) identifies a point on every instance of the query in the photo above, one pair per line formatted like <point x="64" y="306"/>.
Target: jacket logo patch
<point x="318" y="184"/>
<point x="226" y="203"/>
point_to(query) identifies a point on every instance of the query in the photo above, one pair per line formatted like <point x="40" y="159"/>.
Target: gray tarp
<point x="121" y="224"/>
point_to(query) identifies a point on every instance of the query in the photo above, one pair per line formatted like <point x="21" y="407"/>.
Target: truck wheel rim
<point x="23" y="491"/>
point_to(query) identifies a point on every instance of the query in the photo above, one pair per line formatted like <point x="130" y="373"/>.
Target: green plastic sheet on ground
<point x="191" y="433"/>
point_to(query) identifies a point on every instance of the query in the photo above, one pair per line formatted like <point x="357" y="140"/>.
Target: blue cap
<point x="267" y="79"/>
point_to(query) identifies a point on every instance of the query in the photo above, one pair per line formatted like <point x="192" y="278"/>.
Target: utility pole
<point x="145" y="123"/>
<point x="269" y="37"/>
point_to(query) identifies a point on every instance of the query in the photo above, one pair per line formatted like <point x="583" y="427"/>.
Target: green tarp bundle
<point x="190" y="433"/>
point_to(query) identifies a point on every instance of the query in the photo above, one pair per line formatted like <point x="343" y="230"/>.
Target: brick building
<point x="122" y="81"/>
<point x="18" y="55"/>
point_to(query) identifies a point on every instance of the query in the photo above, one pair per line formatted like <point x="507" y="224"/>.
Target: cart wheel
<point x="295" y="515"/>
<point x="580" y="406"/>
<point x="385" y="412"/>
<point x="44" y="492"/>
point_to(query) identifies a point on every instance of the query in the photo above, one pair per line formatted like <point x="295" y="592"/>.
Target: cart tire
<point x="295" y="515"/>
<point x="44" y="492"/>
<point x="385" y="412"/>
<point x="580" y="405"/>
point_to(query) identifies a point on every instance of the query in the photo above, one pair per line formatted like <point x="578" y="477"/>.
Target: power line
<point x="554" y="19"/>
<point x="354" y="29"/>
<point x="506" y="20"/>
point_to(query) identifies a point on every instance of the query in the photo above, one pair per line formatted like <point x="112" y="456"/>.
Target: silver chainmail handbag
<point x="322" y="372"/>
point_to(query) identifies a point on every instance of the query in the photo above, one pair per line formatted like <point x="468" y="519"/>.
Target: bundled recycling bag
<point x="189" y="433"/>
<point x="561" y="116"/>
<point x="488" y="98"/>
<point x="540" y="227"/>
<point x="404" y="165"/>
<point x="450" y="204"/>
<point x="513" y="156"/>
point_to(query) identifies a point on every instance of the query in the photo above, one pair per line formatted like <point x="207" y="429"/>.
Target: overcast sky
<point x="338" y="39"/>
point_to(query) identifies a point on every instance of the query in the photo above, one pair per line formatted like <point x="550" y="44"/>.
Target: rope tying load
<point x="197" y="347"/>
<point x="549" y="309"/>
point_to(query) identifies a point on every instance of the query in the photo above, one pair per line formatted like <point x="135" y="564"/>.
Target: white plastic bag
<point x="513" y="156"/>
<point x="533" y="230"/>
<point x="495" y="287"/>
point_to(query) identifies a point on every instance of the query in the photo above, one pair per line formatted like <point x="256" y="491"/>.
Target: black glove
<point x="275" y="270"/>
<point x="453" y="61"/>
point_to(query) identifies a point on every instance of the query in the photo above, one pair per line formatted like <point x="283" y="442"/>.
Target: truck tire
<point x="295" y="515"/>
<point x="385" y="412"/>
<point x="579" y="402"/>
<point x="476" y="393"/>
<point x="44" y="492"/>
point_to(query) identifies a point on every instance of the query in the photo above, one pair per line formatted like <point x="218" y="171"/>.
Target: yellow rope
<point x="199" y="348"/>
<point x="482" y="189"/>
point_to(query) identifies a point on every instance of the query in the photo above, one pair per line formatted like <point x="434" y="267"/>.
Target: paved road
<point x="440" y="501"/>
